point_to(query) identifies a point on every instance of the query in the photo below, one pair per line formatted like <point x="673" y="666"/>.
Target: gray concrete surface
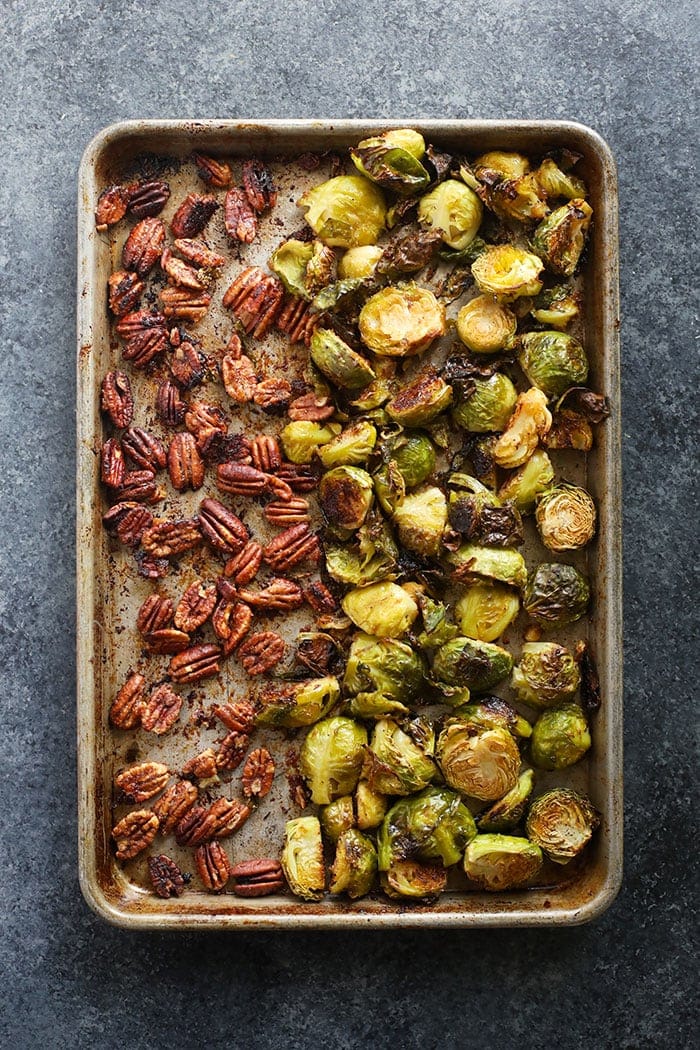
<point x="67" y="69"/>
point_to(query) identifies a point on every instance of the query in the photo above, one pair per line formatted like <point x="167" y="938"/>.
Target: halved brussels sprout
<point x="476" y="664"/>
<point x="546" y="675"/>
<point x="289" y="262"/>
<point x="485" y="610"/>
<point x="501" y="862"/>
<point x="524" y="486"/>
<point x="341" y="297"/>
<point x="353" y="445"/>
<point x="338" y="361"/>
<point x="489" y="407"/>
<point x="477" y="513"/>
<point x="370" y="806"/>
<point x="453" y="209"/>
<point x="376" y="706"/>
<point x="355" y="865"/>
<point x="476" y="564"/>
<point x="509" y="165"/>
<point x="556" y="307"/>
<point x="346" y="495"/>
<point x="389" y="486"/>
<point x="300" y="703"/>
<point x="520" y="198"/>
<point x="383" y="665"/>
<point x="553" y="361"/>
<point x="492" y="712"/>
<point x="556" y="594"/>
<point x="331" y="758"/>
<point x="434" y="825"/>
<point x="301" y="439"/>
<point x="561" y="822"/>
<point x="401" y="321"/>
<point x="421" y="519"/>
<point x="346" y="211"/>
<point x="394" y="763"/>
<point x="392" y="160"/>
<point x="485" y="325"/>
<point x="560" y="737"/>
<point x="349" y="566"/>
<point x="530" y="421"/>
<point x="409" y="878"/>
<point x="509" y="810"/>
<point x="302" y="858"/>
<point x="414" y="456"/>
<point x="382" y="609"/>
<point x="360" y="262"/>
<point x="508" y="272"/>
<point x="482" y="763"/>
<point x="558" y="183"/>
<point x="569" y="429"/>
<point x="338" y="816"/>
<point x="566" y="518"/>
<point x="421" y="400"/>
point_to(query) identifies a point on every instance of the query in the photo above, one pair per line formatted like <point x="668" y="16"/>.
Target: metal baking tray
<point x="108" y="594"/>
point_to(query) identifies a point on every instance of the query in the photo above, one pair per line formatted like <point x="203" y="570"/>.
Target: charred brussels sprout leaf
<point x="432" y="826"/>
<point x="383" y="665"/>
<point x="421" y="400"/>
<point x="501" y="862"/>
<point x="561" y="822"/>
<point x="484" y="610"/>
<point x="355" y="865"/>
<point x="468" y="661"/>
<point x="566" y="518"/>
<point x="553" y="361"/>
<point x="524" y="486"/>
<point x="416" y="881"/>
<point x="382" y="609"/>
<point x="392" y="160"/>
<point x="528" y="424"/>
<point x="556" y="307"/>
<point x="508" y="272"/>
<point x="338" y="361"/>
<point x="485" y="325"/>
<point x="390" y="487"/>
<point x="338" y="816"/>
<point x="569" y="430"/>
<point x="346" y="211"/>
<point x="475" y="564"/>
<point x="556" y="594"/>
<point x="300" y="704"/>
<point x="507" y="813"/>
<point x="394" y="763"/>
<point x="331" y="758"/>
<point x="289" y="262"/>
<point x="349" y="565"/>
<point x="302" y="858"/>
<point x="560" y="738"/>
<point x="437" y="629"/>
<point x="421" y="519"/>
<point x="488" y="406"/>
<point x="301" y="439"/>
<point x="480" y="762"/>
<point x="352" y="446"/>
<point x="346" y="495"/>
<point x="454" y="210"/>
<point x="408" y="251"/>
<point x="401" y="322"/>
<point x="556" y="182"/>
<point x="414" y="456"/>
<point x="476" y="513"/>
<point x="546" y="675"/>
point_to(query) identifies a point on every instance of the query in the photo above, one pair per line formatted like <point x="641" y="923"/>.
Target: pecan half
<point x="199" y="253"/>
<point x="129" y="704"/>
<point x="166" y="538"/>
<point x="213" y="866"/>
<point x="255" y="298"/>
<point x="321" y="599"/>
<point x="166" y="878"/>
<point x="139" y="321"/>
<point x="111" y="206"/>
<point x="169" y="406"/>
<point x="239" y="217"/>
<point x="258" y="185"/>
<point x="167" y="640"/>
<point x="240" y="480"/>
<point x="145" y="334"/>
<point x="239" y="378"/>
<point x="116" y="398"/>
<point x="143" y="246"/>
<point x="202" y="766"/>
<point x="231" y="622"/>
<point x="185" y="465"/>
<point x="258" y="773"/>
<point x="125" y="290"/>
<point x="112" y="465"/>
<point x="257" y="878"/>
<point x="201" y="661"/>
<point x="224" y="530"/>
<point x="204" y="421"/>
<point x="287" y="512"/>
<point x="279" y="594"/>
<point x="184" y="304"/>
<point x="221" y="819"/>
<point x="150" y="567"/>
<point x="260" y="652"/>
<point x="188" y="364"/>
<point x="162" y="710"/>
<point x="115" y="514"/>
<point x="174" y="803"/>
<point x="144" y="449"/>
<point x="265" y="451"/>
<point x="133" y="524"/>
<point x="278" y="487"/>
<point x="141" y="782"/>
<point x="232" y="750"/>
<point x="179" y="272"/>
<point x="312" y="407"/>
<point x="243" y="567"/>
<point x="196" y="606"/>
<point x="214" y="172"/>
<point x="292" y="546"/>
<point x="234" y="347"/>
<point x="272" y="394"/>
<point x="239" y="716"/>
<point x="139" y="486"/>
<point x="148" y="198"/>
<point x="299" y="478"/>
<point x="297" y="320"/>
<point x="135" y="833"/>
<point x="193" y="215"/>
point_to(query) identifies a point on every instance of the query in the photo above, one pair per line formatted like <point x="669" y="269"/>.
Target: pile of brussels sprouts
<point x="435" y="454"/>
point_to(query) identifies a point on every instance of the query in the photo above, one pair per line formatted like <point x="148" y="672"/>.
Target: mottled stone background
<point x="69" y="68"/>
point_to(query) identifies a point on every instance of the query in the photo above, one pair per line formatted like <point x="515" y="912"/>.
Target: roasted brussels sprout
<point x="553" y="361"/>
<point x="338" y="361"/>
<point x="421" y="400"/>
<point x="434" y="825"/>
<point x="350" y="566"/>
<point x="530" y="421"/>
<point x="569" y="430"/>
<point x="485" y="325"/>
<point x="478" y="564"/>
<point x="370" y="807"/>
<point x="376" y="706"/>
<point x="556" y="594"/>
<point x="507" y="813"/>
<point x="420" y="520"/>
<point x="492" y="712"/>
<point x="383" y="665"/>
<point x="401" y="321"/>
<point x="346" y="495"/>
<point x="566" y="518"/>
<point x="561" y="822"/>
<point x="488" y="407"/>
<point x="485" y="610"/>
<point x="470" y="662"/>
<point x="556" y="307"/>
<point x="320" y="269"/>
<point x="394" y="763"/>
<point x="346" y="211"/>
<point x="524" y="486"/>
<point x="289" y="262"/>
<point x="382" y="609"/>
<point x="520" y="198"/>
<point x="560" y="737"/>
<point x="409" y="878"/>
<point x="360" y="262"/>
<point x="300" y="703"/>
<point x="482" y="763"/>
<point x="342" y="297"/>
<point x="453" y="209"/>
<point x="392" y="160"/>
<point x="558" y="183"/>
<point x="352" y="446"/>
<point x="331" y="758"/>
<point x="389" y="486"/>
<point x="477" y="513"/>
<point x="546" y="675"/>
<point x="508" y="272"/>
<point x="302" y="858"/>
<point x="414" y="456"/>
<point x="301" y="439"/>
<point x="509" y="165"/>
<point x="437" y="628"/>
<point x="501" y="862"/>
<point x="338" y="816"/>
<point x="355" y="865"/>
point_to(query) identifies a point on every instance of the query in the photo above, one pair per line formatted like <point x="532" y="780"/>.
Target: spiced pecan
<point x="143" y="246"/>
<point x="167" y="640"/>
<point x="129" y="704"/>
<point x="240" y="480"/>
<point x="265" y="451"/>
<point x="258" y="773"/>
<point x="272" y="394"/>
<point x="287" y="512"/>
<point x="139" y="321"/>
<point x="135" y="833"/>
<point x="226" y="448"/>
<point x="116" y="398"/>
<point x="312" y="407"/>
<point x="169" y="406"/>
<point x="199" y="253"/>
<point x="213" y="866"/>
<point x="255" y="298"/>
<point x="133" y="524"/>
<point x="185" y="465"/>
<point x="141" y="782"/>
<point x="150" y="567"/>
<point x="231" y="621"/>
<point x="239" y="715"/>
<point x="184" y="304"/>
<point x="193" y="215"/>
<point x="188" y="364"/>
<point x="125" y="291"/>
<point x="148" y="198"/>
<point x="200" y="661"/>
<point x="299" y="477"/>
<point x="239" y="217"/>
<point x="221" y="819"/>
<point x="258" y="185"/>
<point x="278" y="487"/>
<point x="145" y="335"/>
<point x="202" y="766"/>
<point x="232" y="750"/>
<point x="196" y="606"/>
<point x="260" y="652"/>
<point x="144" y="449"/>
<point x="166" y="878"/>
<point x="112" y="465"/>
<point x="214" y="172"/>
<point x="279" y="594"/>
<point x="243" y="567"/>
<point x="292" y="546"/>
<point x="111" y="206"/>
<point x="257" y="878"/>
<point x="162" y="710"/>
<point x="207" y="422"/>
<point x="179" y="272"/>
<point x="321" y="599"/>
<point x="297" y="320"/>
<point x="166" y="538"/>
<point x="224" y="530"/>
<point x="239" y="378"/>
<point x="174" y="803"/>
<point x="234" y="347"/>
<point x="140" y="486"/>
<point x="112" y="517"/>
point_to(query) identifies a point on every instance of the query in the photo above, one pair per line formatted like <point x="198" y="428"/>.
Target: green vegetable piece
<point x="401" y="321"/>
<point x="394" y="763"/>
<point x="331" y="758"/>
<point x="383" y="665"/>
<point x="485" y="610"/>
<point x="299" y="703"/>
<point x="453" y="209"/>
<point x="528" y="482"/>
<point x="507" y="272"/>
<point x="474" y="564"/>
<point x="489" y="407"/>
<point x="370" y="806"/>
<point x="338" y="361"/>
<point x="421" y="519"/>
<point x="556" y="594"/>
<point x="352" y="446"/>
<point x="338" y="816"/>
<point x="346" y="495"/>
<point x="354" y="868"/>
<point x="415" y="459"/>
<point x="421" y="400"/>
<point x="434" y="825"/>
<point x="468" y="661"/>
<point x="553" y="361"/>
<point x="485" y="326"/>
<point x="566" y="518"/>
<point x="302" y="858"/>
<point x="501" y="862"/>
<point x="507" y="813"/>
<point x="289" y="262"/>
<point x="382" y="609"/>
<point x="346" y="211"/>
<point x="547" y="675"/>
<point x="413" y="880"/>
<point x="561" y="822"/>
<point x="301" y="439"/>
<point x="478" y="761"/>
<point x="560" y="238"/>
<point x="392" y="160"/>
<point x="560" y="738"/>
